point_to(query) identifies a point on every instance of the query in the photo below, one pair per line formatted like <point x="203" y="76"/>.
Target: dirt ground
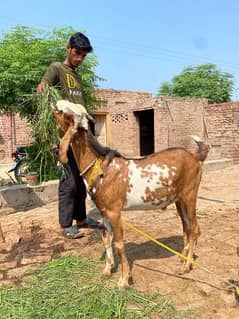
<point x="33" y="238"/>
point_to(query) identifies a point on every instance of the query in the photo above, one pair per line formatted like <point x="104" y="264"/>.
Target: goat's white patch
<point x="173" y="170"/>
<point x="143" y="181"/>
<point x="116" y="166"/>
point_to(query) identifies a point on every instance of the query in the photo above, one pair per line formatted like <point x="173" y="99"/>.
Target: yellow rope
<point x="139" y="231"/>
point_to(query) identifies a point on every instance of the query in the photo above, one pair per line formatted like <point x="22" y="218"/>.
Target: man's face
<point x="76" y="56"/>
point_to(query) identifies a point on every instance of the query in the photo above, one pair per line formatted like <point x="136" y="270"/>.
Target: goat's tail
<point x="203" y="149"/>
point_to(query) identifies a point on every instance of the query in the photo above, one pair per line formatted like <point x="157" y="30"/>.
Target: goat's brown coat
<point x="155" y="181"/>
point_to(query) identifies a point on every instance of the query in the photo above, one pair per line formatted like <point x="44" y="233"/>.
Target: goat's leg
<point x="115" y="221"/>
<point x="64" y="145"/>
<point x="194" y="232"/>
<point x="107" y="238"/>
<point x="185" y="223"/>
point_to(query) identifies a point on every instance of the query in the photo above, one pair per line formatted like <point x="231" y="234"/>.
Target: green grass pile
<point x="70" y="288"/>
<point x="44" y="133"/>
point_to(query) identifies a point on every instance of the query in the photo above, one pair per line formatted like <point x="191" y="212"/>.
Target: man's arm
<point x="50" y="78"/>
<point x="41" y="87"/>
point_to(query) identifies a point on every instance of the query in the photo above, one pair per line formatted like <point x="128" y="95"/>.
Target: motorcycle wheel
<point x="21" y="170"/>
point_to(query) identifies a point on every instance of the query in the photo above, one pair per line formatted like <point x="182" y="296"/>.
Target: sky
<point x="140" y="44"/>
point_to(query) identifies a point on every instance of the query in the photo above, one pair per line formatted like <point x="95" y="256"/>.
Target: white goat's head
<point x="69" y="117"/>
<point x="75" y="112"/>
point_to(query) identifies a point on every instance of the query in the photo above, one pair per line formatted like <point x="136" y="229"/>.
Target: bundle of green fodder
<point x="45" y="134"/>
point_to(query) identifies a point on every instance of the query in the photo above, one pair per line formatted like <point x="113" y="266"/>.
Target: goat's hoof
<point x="178" y="271"/>
<point x="179" y="262"/>
<point x="106" y="274"/>
<point x="185" y="269"/>
<point x="107" y="271"/>
<point x="123" y="284"/>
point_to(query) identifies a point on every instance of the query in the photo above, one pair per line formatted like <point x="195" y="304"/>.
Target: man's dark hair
<point x="80" y="41"/>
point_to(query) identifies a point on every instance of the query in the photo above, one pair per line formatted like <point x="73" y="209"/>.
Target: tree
<point x="25" y="54"/>
<point x="203" y="81"/>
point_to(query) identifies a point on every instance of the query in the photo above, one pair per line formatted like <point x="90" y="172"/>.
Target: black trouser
<point x="72" y="193"/>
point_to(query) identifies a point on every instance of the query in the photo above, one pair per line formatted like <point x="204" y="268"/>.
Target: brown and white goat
<point x="117" y="183"/>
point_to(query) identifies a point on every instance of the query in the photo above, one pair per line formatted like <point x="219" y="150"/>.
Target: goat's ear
<point x="90" y="118"/>
<point x="54" y="107"/>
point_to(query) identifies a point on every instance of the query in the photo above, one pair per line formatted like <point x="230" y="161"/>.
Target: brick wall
<point x="13" y="131"/>
<point x="123" y="125"/>
<point x="223" y="130"/>
<point x="178" y="119"/>
<point x="174" y="121"/>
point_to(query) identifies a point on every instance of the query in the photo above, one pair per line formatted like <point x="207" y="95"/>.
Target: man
<point x="72" y="191"/>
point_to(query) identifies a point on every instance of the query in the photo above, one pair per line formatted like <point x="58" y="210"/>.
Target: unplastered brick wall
<point x="121" y="106"/>
<point x="223" y="130"/>
<point x="174" y="121"/>
<point x="14" y="131"/>
<point x="180" y="119"/>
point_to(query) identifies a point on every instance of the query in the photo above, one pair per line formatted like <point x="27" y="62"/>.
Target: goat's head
<point x="72" y="115"/>
<point x="69" y="117"/>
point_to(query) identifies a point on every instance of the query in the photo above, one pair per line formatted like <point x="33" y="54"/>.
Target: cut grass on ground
<point x="72" y="288"/>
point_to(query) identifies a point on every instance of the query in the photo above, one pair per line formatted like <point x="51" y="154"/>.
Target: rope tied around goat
<point x="139" y="231"/>
<point x="96" y="170"/>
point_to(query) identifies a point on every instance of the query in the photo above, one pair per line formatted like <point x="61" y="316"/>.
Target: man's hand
<point x="41" y="87"/>
<point x="55" y="151"/>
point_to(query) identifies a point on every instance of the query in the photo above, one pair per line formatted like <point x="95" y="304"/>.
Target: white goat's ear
<point x="90" y="118"/>
<point x="54" y="107"/>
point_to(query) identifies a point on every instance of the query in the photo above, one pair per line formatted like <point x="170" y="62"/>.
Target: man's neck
<point x="67" y="63"/>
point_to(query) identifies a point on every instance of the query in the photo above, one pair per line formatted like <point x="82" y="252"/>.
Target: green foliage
<point x="203" y="81"/>
<point x="25" y="54"/>
<point x="165" y="89"/>
<point x="69" y="287"/>
<point x="44" y="133"/>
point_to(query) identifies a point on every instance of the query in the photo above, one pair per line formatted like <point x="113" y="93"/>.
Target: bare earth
<point x="33" y="238"/>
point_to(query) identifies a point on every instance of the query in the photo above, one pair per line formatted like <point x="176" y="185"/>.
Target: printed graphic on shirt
<point x="73" y="85"/>
<point x="71" y="81"/>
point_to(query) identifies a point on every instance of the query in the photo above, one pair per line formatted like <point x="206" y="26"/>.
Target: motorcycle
<point x="20" y="164"/>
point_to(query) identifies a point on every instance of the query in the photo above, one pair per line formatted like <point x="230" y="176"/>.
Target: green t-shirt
<point x="66" y="79"/>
